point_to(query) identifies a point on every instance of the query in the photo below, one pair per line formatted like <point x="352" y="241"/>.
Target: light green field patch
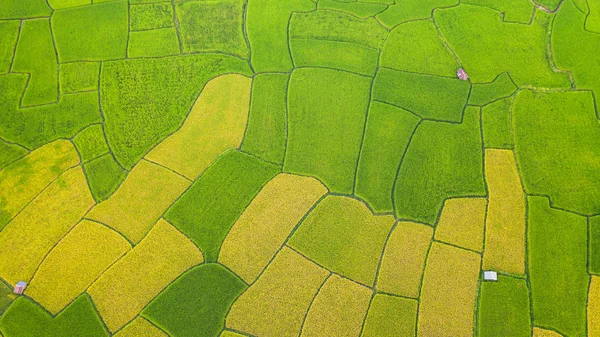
<point x="266" y="133"/>
<point x="104" y="175"/>
<point x="512" y="10"/>
<point x="503" y="308"/>
<point x="60" y="4"/>
<point x="461" y="223"/>
<point x="388" y="131"/>
<point x="488" y="47"/>
<point x="408" y="10"/>
<point x="24" y="9"/>
<point x="9" y="32"/>
<point x="90" y="143"/>
<point x="430" y="97"/>
<point x="592" y="22"/>
<point x="347" y="56"/>
<point x="343" y="235"/>
<point x="327" y="111"/>
<point x="556" y="141"/>
<point x="9" y="153"/>
<point x="417" y="47"/>
<point x="484" y="93"/>
<point x="497" y="124"/>
<point x="35" y="55"/>
<point x="266" y="26"/>
<point x="79" y="76"/>
<point x="151" y="16"/>
<point x="390" y="316"/>
<point x="153" y="43"/>
<point x="30" y="236"/>
<point x="360" y="9"/>
<point x="557" y="243"/>
<point x="212" y="26"/>
<point x="81" y="33"/>
<point x="443" y="161"/>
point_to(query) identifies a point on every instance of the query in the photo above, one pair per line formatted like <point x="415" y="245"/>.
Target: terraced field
<point x="300" y="168"/>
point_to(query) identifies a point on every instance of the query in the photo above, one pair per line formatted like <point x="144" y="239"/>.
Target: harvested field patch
<point x="593" y="310"/>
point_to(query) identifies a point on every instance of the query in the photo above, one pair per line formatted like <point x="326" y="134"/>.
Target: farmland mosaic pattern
<point x="300" y="168"/>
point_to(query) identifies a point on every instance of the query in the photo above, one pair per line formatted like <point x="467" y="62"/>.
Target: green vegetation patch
<point x="90" y="143"/>
<point x="59" y="4"/>
<point x="431" y="97"/>
<point x="209" y="208"/>
<point x="337" y="55"/>
<point x="342" y="235"/>
<point x="79" y="76"/>
<point x="6" y="297"/>
<point x="9" y="32"/>
<point x="359" y="9"/>
<point x="504" y="308"/>
<point x="212" y="26"/>
<point x="484" y="93"/>
<point x="25" y="318"/>
<point x="104" y="176"/>
<point x="9" y="153"/>
<point x="595" y="245"/>
<point x="266" y="24"/>
<point x="336" y="26"/>
<point x="35" y="55"/>
<point x="388" y="132"/>
<point x="92" y="33"/>
<point x="266" y="133"/>
<point x="496" y="121"/>
<point x="488" y="46"/>
<point x="32" y="127"/>
<point x="151" y="16"/>
<point x="512" y="10"/>
<point x="549" y="4"/>
<point x="390" y="316"/>
<point x="443" y="161"/>
<point x="556" y="139"/>
<point x="23" y="9"/>
<point x="557" y="243"/>
<point x="153" y="43"/>
<point x="197" y="302"/>
<point x="326" y="117"/>
<point x="417" y="47"/>
<point x="409" y="10"/>
<point x="145" y="100"/>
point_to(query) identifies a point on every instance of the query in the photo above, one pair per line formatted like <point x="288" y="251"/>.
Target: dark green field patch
<point x="557" y="243"/>
<point x="337" y="55"/>
<point x="104" y="176"/>
<point x="197" y="302"/>
<point x="153" y="43"/>
<point x="92" y="33"/>
<point x="442" y="161"/>
<point x="35" y="55"/>
<point x="151" y="16"/>
<point x="416" y="47"/>
<point x="25" y="318"/>
<point x="9" y="32"/>
<point x="388" y="131"/>
<point x="209" y="208"/>
<point x="212" y="26"/>
<point x="504" y="308"/>
<point x="145" y="100"/>
<point x="327" y="111"/>
<point x="484" y="93"/>
<point x="9" y="153"/>
<point x="266" y="132"/>
<point x="90" y="143"/>
<point x="496" y="121"/>
<point x="79" y="76"/>
<point x="431" y="97"/>
<point x="6" y="297"/>
<point x="594" y="245"/>
<point x="556" y="140"/>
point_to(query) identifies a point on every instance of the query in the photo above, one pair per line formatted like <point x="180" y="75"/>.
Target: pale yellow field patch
<point x="593" y="309"/>
<point x="140" y="201"/>
<point x="21" y="181"/>
<point x="76" y="261"/>
<point x="505" y="223"/>
<point x="338" y="310"/>
<point x="267" y="222"/>
<point x="216" y="123"/>
<point x="27" y="239"/>
<point x="133" y="281"/>
<point x="447" y="304"/>
<point x="275" y="305"/>
<point x="462" y="222"/>
<point x="140" y="327"/>
<point x="404" y="259"/>
<point x="539" y="332"/>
